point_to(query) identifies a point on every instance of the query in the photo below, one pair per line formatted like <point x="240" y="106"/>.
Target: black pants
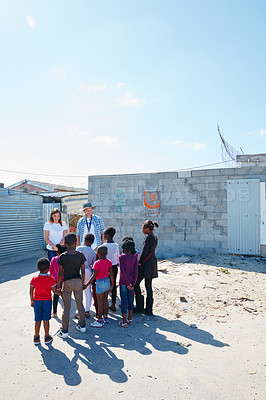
<point x="114" y="291"/>
<point x="55" y="301"/>
<point x="140" y="297"/>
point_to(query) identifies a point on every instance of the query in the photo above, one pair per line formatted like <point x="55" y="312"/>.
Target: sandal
<point x="121" y="323"/>
<point x="112" y="308"/>
<point x="130" y="322"/>
<point x="87" y="314"/>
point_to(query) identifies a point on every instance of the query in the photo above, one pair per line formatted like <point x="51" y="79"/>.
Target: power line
<point x="34" y="173"/>
<point x="85" y="176"/>
<point x="202" y="166"/>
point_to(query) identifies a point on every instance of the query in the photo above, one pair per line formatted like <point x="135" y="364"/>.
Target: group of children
<point x="81" y="269"/>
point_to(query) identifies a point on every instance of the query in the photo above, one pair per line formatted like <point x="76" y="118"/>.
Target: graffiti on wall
<point x="119" y="201"/>
<point x="152" y="202"/>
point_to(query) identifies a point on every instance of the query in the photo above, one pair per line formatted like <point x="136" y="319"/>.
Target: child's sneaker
<point x="81" y="328"/>
<point x="62" y="334"/>
<point x="106" y="320"/>
<point x="48" y="339"/>
<point x="36" y="340"/>
<point x="97" y="324"/>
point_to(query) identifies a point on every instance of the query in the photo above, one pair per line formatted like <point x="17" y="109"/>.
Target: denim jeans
<point x="51" y="254"/>
<point x="127" y="297"/>
<point x="103" y="285"/>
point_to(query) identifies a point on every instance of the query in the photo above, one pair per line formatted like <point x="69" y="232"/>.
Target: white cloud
<point x="31" y="22"/>
<point x="176" y="142"/>
<point x="128" y="101"/>
<point x="75" y="131"/>
<point x="191" y="145"/>
<point x="60" y="73"/>
<point x="98" y="88"/>
<point x="109" y="141"/>
<point x="119" y="85"/>
<point x="260" y="133"/>
<point x="82" y="87"/>
<point x="196" y="145"/>
<point x="90" y="89"/>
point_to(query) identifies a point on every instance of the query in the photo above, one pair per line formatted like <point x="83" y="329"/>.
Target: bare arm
<point x="78" y="241"/>
<point x="56" y="291"/>
<point x="59" y="276"/>
<point x="31" y="296"/>
<point x="94" y="273"/>
<point x="48" y="241"/>
<point x="64" y="234"/>
<point x="82" y="274"/>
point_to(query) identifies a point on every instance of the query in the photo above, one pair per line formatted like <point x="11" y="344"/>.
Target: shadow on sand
<point x="96" y="353"/>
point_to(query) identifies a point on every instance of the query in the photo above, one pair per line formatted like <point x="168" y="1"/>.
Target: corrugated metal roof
<point x="62" y="194"/>
<point x="47" y="186"/>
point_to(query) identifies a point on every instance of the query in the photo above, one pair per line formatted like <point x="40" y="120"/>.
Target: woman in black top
<point x="147" y="268"/>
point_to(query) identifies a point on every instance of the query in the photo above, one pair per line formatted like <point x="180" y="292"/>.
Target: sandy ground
<point x="210" y="345"/>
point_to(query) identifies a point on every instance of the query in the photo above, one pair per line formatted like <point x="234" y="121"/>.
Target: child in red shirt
<point x="41" y="287"/>
<point x="102" y="269"/>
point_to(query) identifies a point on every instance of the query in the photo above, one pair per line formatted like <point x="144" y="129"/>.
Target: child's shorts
<point x="103" y="285"/>
<point x="42" y="310"/>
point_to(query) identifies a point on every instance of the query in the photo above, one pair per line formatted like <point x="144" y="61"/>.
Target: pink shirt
<point x="102" y="267"/>
<point x="54" y="267"/>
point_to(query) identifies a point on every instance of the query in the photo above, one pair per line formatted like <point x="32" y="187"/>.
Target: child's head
<point x="148" y="226"/>
<point x="127" y="238"/>
<point x="61" y="248"/>
<point x="109" y="233"/>
<point x="102" y="252"/>
<point x="43" y="265"/>
<point x="89" y="239"/>
<point x="70" y="240"/>
<point x="128" y="247"/>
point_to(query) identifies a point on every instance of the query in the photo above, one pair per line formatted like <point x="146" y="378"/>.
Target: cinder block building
<point x="210" y="210"/>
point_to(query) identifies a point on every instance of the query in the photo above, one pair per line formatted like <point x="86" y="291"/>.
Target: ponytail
<point x="150" y="224"/>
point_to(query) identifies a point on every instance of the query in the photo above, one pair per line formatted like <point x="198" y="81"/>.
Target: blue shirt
<point x="98" y="225"/>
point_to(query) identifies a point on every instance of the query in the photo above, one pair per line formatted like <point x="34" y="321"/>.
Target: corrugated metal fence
<point x="21" y="223"/>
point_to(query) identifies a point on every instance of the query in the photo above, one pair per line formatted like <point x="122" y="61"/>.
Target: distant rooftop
<point x="30" y="186"/>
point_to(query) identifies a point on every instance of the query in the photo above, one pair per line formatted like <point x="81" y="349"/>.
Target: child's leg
<point x="46" y="325"/>
<point x="95" y="298"/>
<point x="88" y="294"/>
<point x="114" y="292"/>
<point x="37" y="328"/>
<point x="78" y="294"/>
<point x="55" y="303"/>
<point x="130" y="300"/>
<point x="139" y="296"/>
<point x="100" y="299"/>
<point x="66" y="296"/>
<point x="123" y="295"/>
<point x="105" y="304"/>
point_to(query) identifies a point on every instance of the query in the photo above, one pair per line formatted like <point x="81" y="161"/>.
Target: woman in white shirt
<point x="54" y="232"/>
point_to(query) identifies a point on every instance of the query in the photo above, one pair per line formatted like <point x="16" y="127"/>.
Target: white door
<point x="244" y="215"/>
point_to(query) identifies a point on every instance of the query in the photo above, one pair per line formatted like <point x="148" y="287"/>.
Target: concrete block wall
<point x="192" y="215"/>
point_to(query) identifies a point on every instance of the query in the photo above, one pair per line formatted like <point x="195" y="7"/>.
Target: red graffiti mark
<point x="153" y="196"/>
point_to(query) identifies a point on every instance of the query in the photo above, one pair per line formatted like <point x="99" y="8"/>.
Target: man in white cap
<point x="90" y="223"/>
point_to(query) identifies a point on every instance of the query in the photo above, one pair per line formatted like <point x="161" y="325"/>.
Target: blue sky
<point x="128" y="86"/>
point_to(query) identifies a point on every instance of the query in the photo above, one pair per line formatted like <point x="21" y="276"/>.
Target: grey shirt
<point x="89" y="254"/>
